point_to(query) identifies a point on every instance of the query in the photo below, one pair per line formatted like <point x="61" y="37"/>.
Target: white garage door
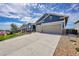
<point x="50" y="28"/>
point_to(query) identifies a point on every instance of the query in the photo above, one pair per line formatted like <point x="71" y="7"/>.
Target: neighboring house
<point x="28" y="28"/>
<point x="4" y="32"/>
<point x="23" y="30"/>
<point x="71" y="31"/>
<point x="77" y="26"/>
<point x="51" y="23"/>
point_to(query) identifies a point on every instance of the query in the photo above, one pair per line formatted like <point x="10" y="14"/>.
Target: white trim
<point x="43" y="18"/>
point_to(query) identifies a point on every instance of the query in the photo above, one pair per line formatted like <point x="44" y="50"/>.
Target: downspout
<point x="64" y="26"/>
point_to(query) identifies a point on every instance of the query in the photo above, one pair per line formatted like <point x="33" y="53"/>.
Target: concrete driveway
<point x="34" y="44"/>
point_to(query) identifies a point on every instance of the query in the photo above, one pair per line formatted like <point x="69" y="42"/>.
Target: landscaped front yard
<point x="68" y="46"/>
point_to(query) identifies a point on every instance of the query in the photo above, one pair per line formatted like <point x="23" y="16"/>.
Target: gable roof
<point x="44" y="15"/>
<point x="50" y="14"/>
<point x="76" y="22"/>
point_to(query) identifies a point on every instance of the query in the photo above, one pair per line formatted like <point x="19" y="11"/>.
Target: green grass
<point x="10" y="36"/>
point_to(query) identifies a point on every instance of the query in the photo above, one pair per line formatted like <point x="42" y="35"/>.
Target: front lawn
<point x="10" y="36"/>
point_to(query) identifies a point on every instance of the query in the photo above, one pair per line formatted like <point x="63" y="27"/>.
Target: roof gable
<point x="42" y="18"/>
<point x="55" y="17"/>
<point x="77" y="22"/>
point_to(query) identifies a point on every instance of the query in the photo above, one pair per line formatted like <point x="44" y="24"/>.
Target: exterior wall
<point x="78" y="31"/>
<point x="39" y="28"/>
<point x="55" y="28"/>
<point x="77" y="27"/>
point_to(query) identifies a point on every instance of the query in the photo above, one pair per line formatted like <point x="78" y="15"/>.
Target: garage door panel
<point x="39" y="28"/>
<point x="52" y="28"/>
<point x="56" y="29"/>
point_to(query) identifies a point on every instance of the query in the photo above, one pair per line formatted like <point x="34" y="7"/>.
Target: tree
<point x="14" y="28"/>
<point x="23" y="26"/>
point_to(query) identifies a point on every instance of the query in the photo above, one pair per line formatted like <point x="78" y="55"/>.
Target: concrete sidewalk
<point x="34" y="44"/>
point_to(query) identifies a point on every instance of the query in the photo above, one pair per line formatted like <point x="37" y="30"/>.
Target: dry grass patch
<point x="73" y="40"/>
<point x="67" y="46"/>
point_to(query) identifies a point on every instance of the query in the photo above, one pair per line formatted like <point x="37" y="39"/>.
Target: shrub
<point x="73" y="40"/>
<point x="11" y="32"/>
<point x="77" y="49"/>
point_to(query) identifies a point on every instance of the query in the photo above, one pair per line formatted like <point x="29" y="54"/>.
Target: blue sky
<point x="20" y="13"/>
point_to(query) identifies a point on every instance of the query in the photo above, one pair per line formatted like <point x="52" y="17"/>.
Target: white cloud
<point x="34" y="20"/>
<point x="14" y="10"/>
<point x="72" y="7"/>
<point x="30" y="19"/>
<point x="19" y="10"/>
<point x="42" y="7"/>
<point x="74" y="17"/>
<point x="37" y="14"/>
<point x="26" y="19"/>
<point x="33" y="4"/>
